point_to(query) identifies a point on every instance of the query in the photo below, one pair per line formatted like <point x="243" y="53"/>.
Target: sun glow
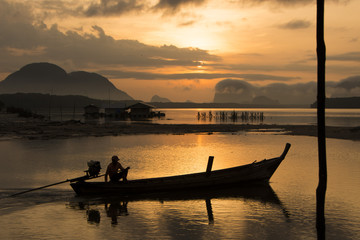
<point x="195" y="37"/>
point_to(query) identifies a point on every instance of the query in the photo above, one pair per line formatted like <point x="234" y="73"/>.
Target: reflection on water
<point x="93" y="216"/>
<point x="301" y="116"/>
<point x="334" y="117"/>
<point x="115" y="207"/>
<point x="231" y="117"/>
<point x="221" y="214"/>
<point x="57" y="213"/>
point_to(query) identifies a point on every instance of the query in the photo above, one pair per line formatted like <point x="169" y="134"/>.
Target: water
<point x="292" y="116"/>
<point x="284" y="211"/>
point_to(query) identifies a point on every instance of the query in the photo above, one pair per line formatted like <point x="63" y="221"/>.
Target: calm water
<point x="285" y="210"/>
<point x="302" y="116"/>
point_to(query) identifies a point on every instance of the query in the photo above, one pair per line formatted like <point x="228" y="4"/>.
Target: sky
<point x="187" y="50"/>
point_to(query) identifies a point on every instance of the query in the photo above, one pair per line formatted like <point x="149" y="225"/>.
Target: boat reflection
<point x="93" y="216"/>
<point x="116" y="207"/>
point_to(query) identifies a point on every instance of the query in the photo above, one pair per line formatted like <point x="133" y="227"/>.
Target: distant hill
<point x="262" y="100"/>
<point x="156" y="98"/>
<point x="51" y="79"/>
<point x="36" y="101"/>
<point x="350" y="102"/>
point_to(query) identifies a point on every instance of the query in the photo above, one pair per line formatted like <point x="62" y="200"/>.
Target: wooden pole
<point x="209" y="165"/>
<point x="209" y="211"/>
<point x="53" y="184"/>
<point x="321" y="55"/>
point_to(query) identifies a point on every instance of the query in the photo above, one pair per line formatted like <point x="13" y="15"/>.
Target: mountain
<point x="156" y="98"/>
<point x="350" y="102"/>
<point x="39" y="101"/>
<point x="51" y="79"/>
<point x="262" y="100"/>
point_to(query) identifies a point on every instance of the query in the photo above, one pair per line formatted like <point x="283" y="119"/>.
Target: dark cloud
<point x="22" y="42"/>
<point x="230" y="90"/>
<point x="105" y="8"/>
<point x="239" y="91"/>
<point x="355" y="39"/>
<point x="284" y="3"/>
<point x="350" y="56"/>
<point x="349" y="83"/>
<point x="187" y="23"/>
<point x="88" y="8"/>
<point x="174" y="5"/>
<point x="113" y="7"/>
<point x="348" y="87"/>
<point x="300" y="93"/>
<point x="296" y="24"/>
<point x="192" y="76"/>
<point x="296" y="66"/>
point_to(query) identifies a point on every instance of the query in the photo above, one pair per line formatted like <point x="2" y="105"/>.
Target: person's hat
<point x="115" y="158"/>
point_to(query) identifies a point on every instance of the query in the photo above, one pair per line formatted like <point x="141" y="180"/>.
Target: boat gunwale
<point x="201" y="174"/>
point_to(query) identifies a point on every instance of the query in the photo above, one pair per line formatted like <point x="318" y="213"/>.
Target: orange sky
<point x="181" y="49"/>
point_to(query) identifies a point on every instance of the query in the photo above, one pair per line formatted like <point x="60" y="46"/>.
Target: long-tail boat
<point x="254" y="173"/>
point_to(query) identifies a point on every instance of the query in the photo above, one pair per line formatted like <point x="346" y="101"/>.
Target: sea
<point x="285" y="209"/>
<point x="292" y="116"/>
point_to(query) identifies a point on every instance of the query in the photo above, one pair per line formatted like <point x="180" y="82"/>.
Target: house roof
<point x="91" y="106"/>
<point x="141" y="105"/>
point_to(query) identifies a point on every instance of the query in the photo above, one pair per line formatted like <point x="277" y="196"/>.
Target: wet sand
<point x="14" y="127"/>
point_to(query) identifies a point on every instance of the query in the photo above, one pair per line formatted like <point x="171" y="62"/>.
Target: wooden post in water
<point x="209" y="211"/>
<point x="321" y="55"/>
<point x="209" y="165"/>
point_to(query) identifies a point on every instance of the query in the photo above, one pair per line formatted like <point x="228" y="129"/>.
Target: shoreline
<point x="14" y="127"/>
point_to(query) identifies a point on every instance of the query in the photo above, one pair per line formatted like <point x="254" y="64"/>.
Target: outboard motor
<point x="94" y="168"/>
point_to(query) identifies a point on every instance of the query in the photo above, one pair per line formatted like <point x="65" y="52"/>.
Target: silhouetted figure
<point x="116" y="171"/>
<point x="93" y="216"/>
<point x="116" y="209"/>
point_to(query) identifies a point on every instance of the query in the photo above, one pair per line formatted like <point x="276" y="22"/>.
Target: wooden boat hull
<point x="254" y="173"/>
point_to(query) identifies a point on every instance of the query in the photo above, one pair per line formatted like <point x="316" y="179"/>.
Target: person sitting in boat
<point x="116" y="171"/>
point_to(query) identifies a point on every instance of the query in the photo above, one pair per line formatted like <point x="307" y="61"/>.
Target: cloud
<point x="296" y="24"/>
<point x="278" y="2"/>
<point x="284" y="3"/>
<point x="22" y="42"/>
<point x="187" y="23"/>
<point x="87" y="8"/>
<point x="231" y="90"/>
<point x="107" y="8"/>
<point x="350" y="56"/>
<point x="355" y="39"/>
<point x="296" y="66"/>
<point x="348" y="87"/>
<point x="192" y="76"/>
<point x="171" y="6"/>
<point x="113" y="7"/>
<point x="239" y="91"/>
<point x="349" y="83"/>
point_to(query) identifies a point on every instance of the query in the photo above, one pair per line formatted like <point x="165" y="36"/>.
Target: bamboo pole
<point x="83" y="178"/>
